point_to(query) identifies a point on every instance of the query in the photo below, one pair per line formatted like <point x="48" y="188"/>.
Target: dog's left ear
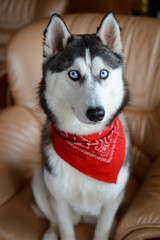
<point x="56" y="36"/>
<point x="110" y="34"/>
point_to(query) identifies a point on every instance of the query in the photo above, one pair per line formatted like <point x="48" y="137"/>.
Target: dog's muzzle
<point x="95" y="114"/>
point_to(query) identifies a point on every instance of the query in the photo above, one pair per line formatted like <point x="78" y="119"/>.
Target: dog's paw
<point x="50" y="235"/>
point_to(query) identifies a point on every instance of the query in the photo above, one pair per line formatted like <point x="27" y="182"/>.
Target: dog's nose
<point x="95" y="114"/>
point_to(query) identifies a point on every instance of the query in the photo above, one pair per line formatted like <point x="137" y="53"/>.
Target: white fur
<point x="71" y="102"/>
<point x="65" y="196"/>
<point x="71" y="191"/>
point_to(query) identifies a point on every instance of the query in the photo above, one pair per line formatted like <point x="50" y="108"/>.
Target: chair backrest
<point x="141" y="41"/>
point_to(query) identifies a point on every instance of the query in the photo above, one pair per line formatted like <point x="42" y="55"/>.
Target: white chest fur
<point x="84" y="194"/>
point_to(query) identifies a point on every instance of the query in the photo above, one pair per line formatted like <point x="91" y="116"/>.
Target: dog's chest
<point x="84" y="194"/>
<point x="85" y="197"/>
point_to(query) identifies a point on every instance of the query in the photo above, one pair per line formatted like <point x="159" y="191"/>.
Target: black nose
<point x="95" y="114"/>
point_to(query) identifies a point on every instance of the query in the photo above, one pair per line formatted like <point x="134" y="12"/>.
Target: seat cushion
<point x="17" y="221"/>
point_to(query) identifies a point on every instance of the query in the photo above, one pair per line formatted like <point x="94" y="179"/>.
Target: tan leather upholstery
<point x="20" y="128"/>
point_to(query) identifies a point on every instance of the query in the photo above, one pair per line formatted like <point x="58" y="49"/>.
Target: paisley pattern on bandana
<point x="100" y="148"/>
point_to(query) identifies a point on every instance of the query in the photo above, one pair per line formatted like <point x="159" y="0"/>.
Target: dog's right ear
<point x="110" y="34"/>
<point x="55" y="36"/>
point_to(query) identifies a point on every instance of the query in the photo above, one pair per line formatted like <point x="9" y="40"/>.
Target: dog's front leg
<point x="65" y="220"/>
<point x="106" y="218"/>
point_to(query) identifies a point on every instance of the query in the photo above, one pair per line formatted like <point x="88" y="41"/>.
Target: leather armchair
<point x="20" y="129"/>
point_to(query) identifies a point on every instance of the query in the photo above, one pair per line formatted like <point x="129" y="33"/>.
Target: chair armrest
<point x="142" y="220"/>
<point x="19" y="149"/>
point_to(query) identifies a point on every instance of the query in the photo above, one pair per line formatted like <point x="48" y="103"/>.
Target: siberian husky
<point x="85" y="141"/>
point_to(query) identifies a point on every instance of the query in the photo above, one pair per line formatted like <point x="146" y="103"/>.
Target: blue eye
<point x="104" y="74"/>
<point x="74" y="75"/>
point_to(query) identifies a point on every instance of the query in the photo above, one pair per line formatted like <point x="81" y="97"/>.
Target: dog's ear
<point x="110" y="34"/>
<point x="55" y="36"/>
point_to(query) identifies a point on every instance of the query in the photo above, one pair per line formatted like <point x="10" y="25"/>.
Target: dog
<point x="85" y="140"/>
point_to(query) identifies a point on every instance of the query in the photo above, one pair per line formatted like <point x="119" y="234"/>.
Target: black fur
<point x="65" y="58"/>
<point x="49" y="113"/>
<point x="46" y="140"/>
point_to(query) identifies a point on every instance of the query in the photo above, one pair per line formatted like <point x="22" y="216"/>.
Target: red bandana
<point x="100" y="155"/>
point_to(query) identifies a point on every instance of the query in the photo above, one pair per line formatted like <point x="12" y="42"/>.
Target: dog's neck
<point x="100" y="155"/>
<point x="74" y="126"/>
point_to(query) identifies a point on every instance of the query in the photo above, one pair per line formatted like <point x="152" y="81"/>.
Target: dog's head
<point x="82" y="74"/>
